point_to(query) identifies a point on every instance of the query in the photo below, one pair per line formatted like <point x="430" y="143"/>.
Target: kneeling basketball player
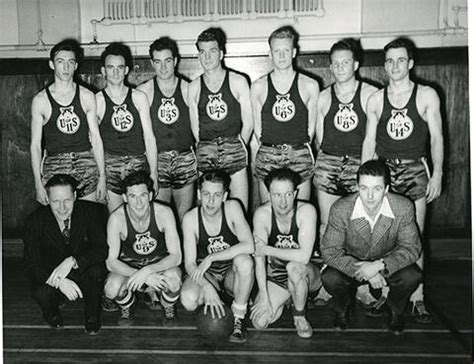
<point x="217" y="247"/>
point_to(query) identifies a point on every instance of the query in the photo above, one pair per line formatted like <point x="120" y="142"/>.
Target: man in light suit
<point x="371" y="237"/>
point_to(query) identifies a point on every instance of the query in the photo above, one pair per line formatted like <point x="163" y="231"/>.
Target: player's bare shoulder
<point x="324" y="100"/>
<point x="86" y="94"/>
<point x="190" y="219"/>
<point x="147" y="87"/>
<point x="263" y="214"/>
<point x="306" y="210"/>
<point x="367" y="90"/>
<point x="258" y="88"/>
<point x="40" y="103"/>
<point x="427" y="93"/>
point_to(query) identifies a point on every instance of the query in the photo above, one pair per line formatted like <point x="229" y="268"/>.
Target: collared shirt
<point x="359" y="212"/>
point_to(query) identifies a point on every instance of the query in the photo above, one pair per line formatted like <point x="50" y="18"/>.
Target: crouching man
<point x="144" y="251"/>
<point x="285" y="232"/>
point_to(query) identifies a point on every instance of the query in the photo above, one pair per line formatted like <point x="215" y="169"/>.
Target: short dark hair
<point x="282" y="174"/>
<point x="401" y="42"/>
<point x="212" y="34"/>
<point x="137" y="178"/>
<point x="61" y="180"/>
<point x="215" y="176"/>
<point x="285" y="32"/>
<point x="162" y="44"/>
<point x="376" y="168"/>
<point x="117" y="49"/>
<point x="347" y="44"/>
<point x="70" y="45"/>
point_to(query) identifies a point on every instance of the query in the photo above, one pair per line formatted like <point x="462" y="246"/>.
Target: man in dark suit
<point x="65" y="251"/>
<point x="371" y="237"/>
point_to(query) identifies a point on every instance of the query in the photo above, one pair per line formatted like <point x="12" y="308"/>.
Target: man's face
<point x="343" y="66"/>
<point x="212" y="195"/>
<point x="114" y="69"/>
<point x="397" y="64"/>
<point x="282" y="53"/>
<point x="163" y="63"/>
<point x="282" y="196"/>
<point x="210" y="55"/>
<point x="61" y="201"/>
<point x="138" y="199"/>
<point x="372" y="191"/>
<point x="64" y="65"/>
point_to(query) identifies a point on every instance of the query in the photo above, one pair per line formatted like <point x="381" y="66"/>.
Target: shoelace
<point x="126" y="313"/>
<point x="237" y="326"/>
<point x="169" y="312"/>
<point x="420" y="307"/>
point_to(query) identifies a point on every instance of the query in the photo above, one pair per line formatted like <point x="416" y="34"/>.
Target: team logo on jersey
<point x="216" y="244"/>
<point x="68" y="122"/>
<point x="168" y="112"/>
<point x="216" y="108"/>
<point x="144" y="244"/>
<point x="400" y="125"/>
<point x="346" y="119"/>
<point x="283" y="108"/>
<point x="122" y="119"/>
<point x="286" y="242"/>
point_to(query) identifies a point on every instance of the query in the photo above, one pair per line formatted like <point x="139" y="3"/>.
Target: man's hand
<point x="156" y="188"/>
<point x="212" y="302"/>
<point x="61" y="272"/>
<point x="377" y="281"/>
<point x="260" y="248"/>
<point x="261" y="307"/>
<point x="202" y="268"/>
<point x="70" y="289"/>
<point x="157" y="281"/>
<point x="136" y="281"/>
<point x="41" y="195"/>
<point x="433" y="189"/>
<point x="367" y="270"/>
<point x="101" y="191"/>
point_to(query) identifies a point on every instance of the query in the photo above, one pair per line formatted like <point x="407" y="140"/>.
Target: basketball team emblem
<point x="346" y="119"/>
<point x="216" y="108"/>
<point x="217" y="244"/>
<point x="68" y="122"/>
<point x="168" y="112"/>
<point x="122" y="119"/>
<point x="286" y="242"/>
<point x="144" y="244"/>
<point x="400" y="125"/>
<point x="283" y="109"/>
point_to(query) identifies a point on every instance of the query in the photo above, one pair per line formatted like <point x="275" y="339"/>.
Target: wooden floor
<point x="448" y="340"/>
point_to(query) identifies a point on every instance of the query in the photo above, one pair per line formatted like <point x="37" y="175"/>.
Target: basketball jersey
<point x="141" y="249"/>
<point x="219" y="112"/>
<point x="170" y="120"/>
<point x="284" y="116"/>
<point x="283" y="241"/>
<point x="67" y="129"/>
<point x="401" y="132"/>
<point x="121" y="127"/>
<point x="344" y="126"/>
<point x="212" y="244"/>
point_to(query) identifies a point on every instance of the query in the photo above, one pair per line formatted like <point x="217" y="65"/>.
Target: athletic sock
<point x="239" y="310"/>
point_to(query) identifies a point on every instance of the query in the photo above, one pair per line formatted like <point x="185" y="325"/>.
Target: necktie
<point x="66" y="231"/>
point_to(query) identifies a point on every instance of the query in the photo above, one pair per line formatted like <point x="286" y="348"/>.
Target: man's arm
<point x="306" y="219"/>
<point x="141" y="101"/>
<point x="257" y="96"/>
<point x="89" y="104"/>
<point x="147" y="88"/>
<point x="321" y="111"/>
<point x="369" y="144"/>
<point x="193" y="99"/>
<point x="432" y="115"/>
<point x="333" y="243"/>
<point x="240" y="88"/>
<point x="311" y="92"/>
<point x="38" y="107"/>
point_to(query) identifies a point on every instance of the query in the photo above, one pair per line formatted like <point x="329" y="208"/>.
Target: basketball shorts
<point x="117" y="167"/>
<point x="175" y="169"/>
<point x="277" y="273"/>
<point x="228" y="154"/>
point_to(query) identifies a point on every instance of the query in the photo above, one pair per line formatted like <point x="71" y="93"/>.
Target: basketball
<point x="215" y="329"/>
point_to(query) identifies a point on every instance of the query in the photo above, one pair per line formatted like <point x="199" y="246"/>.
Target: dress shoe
<point x="92" y="326"/>
<point x="419" y="313"/>
<point x="374" y="310"/>
<point x="55" y="321"/>
<point x="396" y="323"/>
<point x="340" y="322"/>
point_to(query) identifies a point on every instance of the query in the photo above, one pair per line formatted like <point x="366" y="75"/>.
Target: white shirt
<point x="359" y="211"/>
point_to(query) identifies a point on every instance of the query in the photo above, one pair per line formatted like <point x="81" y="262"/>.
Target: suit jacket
<point x="44" y="244"/>
<point x="348" y="241"/>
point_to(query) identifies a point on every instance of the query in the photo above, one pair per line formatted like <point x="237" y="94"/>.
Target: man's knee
<point x="243" y="265"/>
<point x="331" y="278"/>
<point x="43" y="293"/>
<point x="95" y="273"/>
<point x="296" y="271"/>
<point x="114" y="287"/>
<point x="189" y="298"/>
<point x="173" y="279"/>
<point x="261" y="322"/>
<point x="408" y="277"/>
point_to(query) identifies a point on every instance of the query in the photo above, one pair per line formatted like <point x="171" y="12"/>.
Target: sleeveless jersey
<point x="141" y="249"/>
<point x="344" y="126"/>
<point x="212" y="244"/>
<point x="401" y="132"/>
<point x="170" y="120"/>
<point x="66" y="129"/>
<point x="284" y="116"/>
<point x="283" y="241"/>
<point x="121" y="127"/>
<point x="219" y="112"/>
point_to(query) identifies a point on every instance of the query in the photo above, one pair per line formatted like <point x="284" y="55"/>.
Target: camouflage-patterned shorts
<point x="228" y="154"/>
<point x="175" y="169"/>
<point x="117" y="167"/>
